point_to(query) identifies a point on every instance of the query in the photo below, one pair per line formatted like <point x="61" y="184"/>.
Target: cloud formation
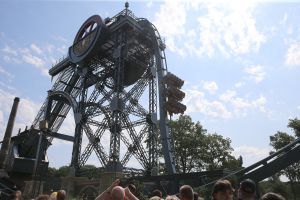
<point x="26" y="113"/>
<point x="250" y="154"/>
<point x="226" y="105"/>
<point x="197" y="102"/>
<point x="210" y="86"/>
<point x="38" y="56"/>
<point x="292" y="57"/>
<point x="227" y="27"/>
<point x="256" y="73"/>
<point x="6" y="73"/>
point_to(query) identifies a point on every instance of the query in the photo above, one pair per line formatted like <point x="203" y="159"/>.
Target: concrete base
<point x="76" y="186"/>
<point x="107" y="178"/>
<point x="70" y="185"/>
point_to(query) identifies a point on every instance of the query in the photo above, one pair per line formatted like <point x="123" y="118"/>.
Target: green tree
<point x="218" y="152"/>
<point x="188" y="142"/>
<point x="51" y="171"/>
<point x="278" y="141"/>
<point x="197" y="150"/>
<point x="294" y="124"/>
<point x="63" y="171"/>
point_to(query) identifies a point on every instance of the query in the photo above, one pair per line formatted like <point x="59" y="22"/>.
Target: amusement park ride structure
<point x="116" y="83"/>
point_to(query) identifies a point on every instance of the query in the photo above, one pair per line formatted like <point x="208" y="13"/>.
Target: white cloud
<point x="228" y="105"/>
<point x="260" y="103"/>
<point x="298" y="107"/>
<point x="27" y="55"/>
<point x="36" y="49"/>
<point x="62" y="49"/>
<point x="170" y="21"/>
<point x="31" y="59"/>
<point x="10" y="51"/>
<point x="26" y="113"/>
<point x="250" y="154"/>
<point x="171" y="13"/>
<point x="239" y="84"/>
<point x="37" y="62"/>
<point x="149" y="4"/>
<point x="50" y="48"/>
<point x="210" y="86"/>
<point x="241" y="105"/>
<point x="1" y="121"/>
<point x="60" y="39"/>
<point x="292" y="57"/>
<point x="6" y="73"/>
<point x="7" y="86"/>
<point x="226" y="27"/>
<point x="228" y="95"/>
<point x="256" y="73"/>
<point x="27" y="110"/>
<point x="196" y="102"/>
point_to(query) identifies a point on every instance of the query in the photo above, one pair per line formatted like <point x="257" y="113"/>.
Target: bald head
<point x="118" y="193"/>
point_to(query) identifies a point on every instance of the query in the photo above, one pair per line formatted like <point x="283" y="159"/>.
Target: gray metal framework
<point x="107" y="89"/>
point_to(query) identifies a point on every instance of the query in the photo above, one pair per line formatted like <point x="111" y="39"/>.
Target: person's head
<point x="43" y="197"/>
<point x="172" y="197"/>
<point x="53" y="196"/>
<point x="196" y="196"/>
<point x="186" y="192"/>
<point x="118" y="193"/>
<point x="272" y="196"/>
<point x="222" y="190"/>
<point x="247" y="189"/>
<point x="155" y="198"/>
<point x="157" y="193"/>
<point x="17" y="195"/>
<point x="61" y="195"/>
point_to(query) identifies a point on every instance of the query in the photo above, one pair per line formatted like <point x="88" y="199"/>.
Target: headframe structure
<point x="115" y="80"/>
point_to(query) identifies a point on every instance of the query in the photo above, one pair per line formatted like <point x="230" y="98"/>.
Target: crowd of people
<point x="59" y="195"/>
<point x="247" y="190"/>
<point x="222" y="190"/>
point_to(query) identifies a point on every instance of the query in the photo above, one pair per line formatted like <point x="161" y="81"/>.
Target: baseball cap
<point x="248" y="186"/>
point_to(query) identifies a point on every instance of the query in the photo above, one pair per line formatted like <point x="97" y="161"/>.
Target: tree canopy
<point x="198" y="150"/>
<point x="281" y="139"/>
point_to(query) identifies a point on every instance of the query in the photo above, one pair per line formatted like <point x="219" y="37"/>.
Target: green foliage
<point x="197" y="150"/>
<point x="295" y="125"/>
<point x="203" y="192"/>
<point x="63" y="171"/>
<point x="51" y="171"/>
<point x="281" y="139"/>
<point x="274" y="186"/>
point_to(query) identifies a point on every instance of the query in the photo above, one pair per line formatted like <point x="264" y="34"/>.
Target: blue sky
<point x="240" y="62"/>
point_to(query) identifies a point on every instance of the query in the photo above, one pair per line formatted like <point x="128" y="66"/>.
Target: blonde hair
<point x="172" y="197"/>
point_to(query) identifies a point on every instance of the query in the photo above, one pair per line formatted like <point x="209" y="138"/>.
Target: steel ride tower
<point x="116" y="83"/>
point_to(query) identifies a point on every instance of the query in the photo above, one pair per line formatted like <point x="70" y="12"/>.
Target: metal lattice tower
<point x="112" y="80"/>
